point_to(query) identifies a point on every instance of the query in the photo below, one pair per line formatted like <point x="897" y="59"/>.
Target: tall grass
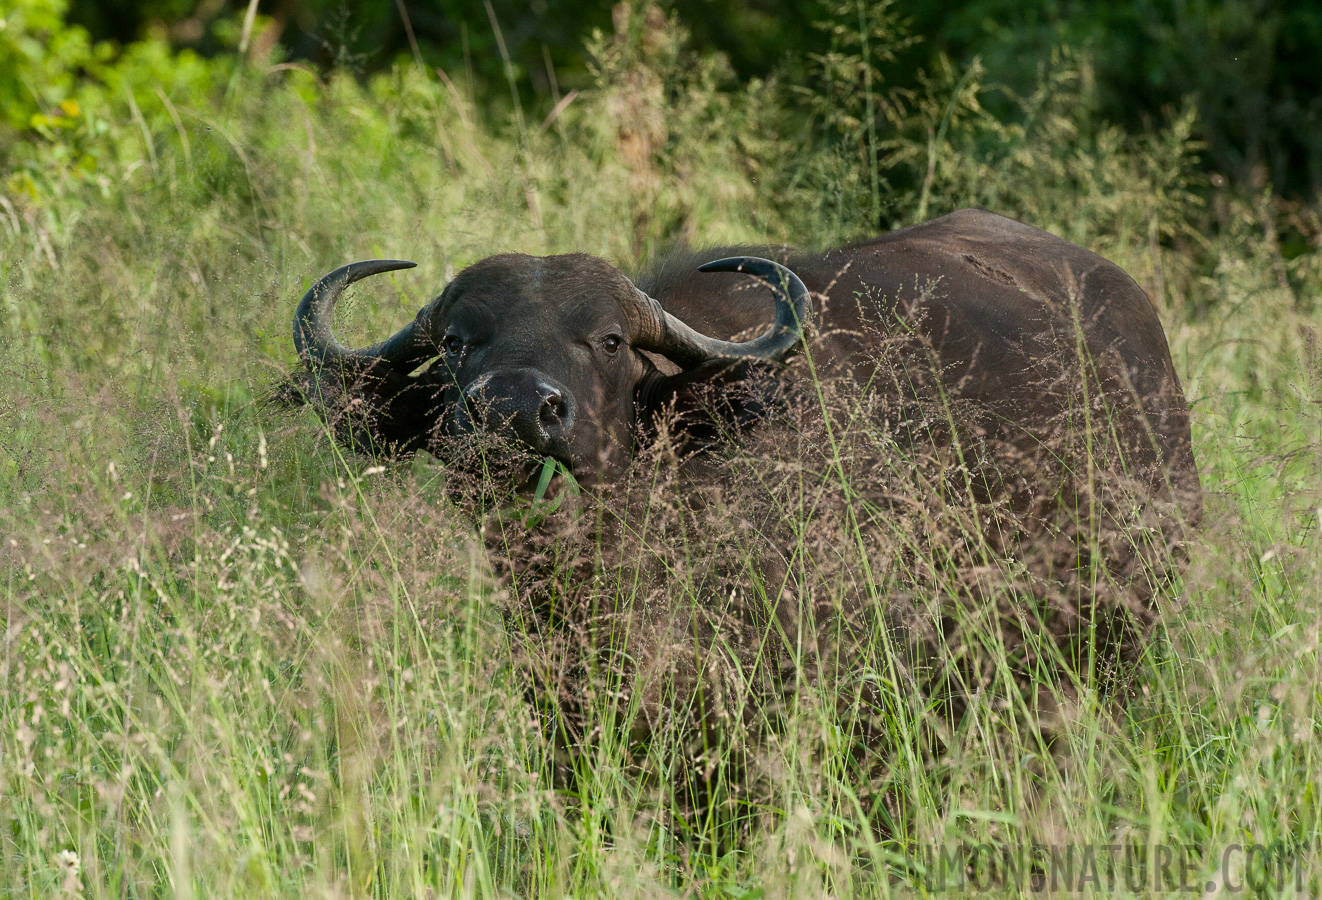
<point x="239" y="663"/>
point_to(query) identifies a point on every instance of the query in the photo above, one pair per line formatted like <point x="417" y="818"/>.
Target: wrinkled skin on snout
<point x="558" y="357"/>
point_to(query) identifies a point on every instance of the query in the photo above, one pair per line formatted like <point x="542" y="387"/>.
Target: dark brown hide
<point x="1005" y="316"/>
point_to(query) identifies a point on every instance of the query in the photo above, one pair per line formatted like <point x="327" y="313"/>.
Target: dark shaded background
<point x="1254" y="67"/>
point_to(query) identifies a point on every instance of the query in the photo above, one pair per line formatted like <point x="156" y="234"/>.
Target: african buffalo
<point x="1032" y="375"/>
<point x="568" y="357"/>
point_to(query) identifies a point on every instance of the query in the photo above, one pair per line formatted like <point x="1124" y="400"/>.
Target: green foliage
<point x="236" y="663"/>
<point x="1250" y="65"/>
<point x="85" y="114"/>
<point x="39" y="59"/>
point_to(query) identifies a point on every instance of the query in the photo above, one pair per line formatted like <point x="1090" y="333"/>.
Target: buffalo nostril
<point x="554" y="409"/>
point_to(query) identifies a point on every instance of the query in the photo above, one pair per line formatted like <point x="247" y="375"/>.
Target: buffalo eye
<point x="453" y="344"/>
<point x="611" y="343"/>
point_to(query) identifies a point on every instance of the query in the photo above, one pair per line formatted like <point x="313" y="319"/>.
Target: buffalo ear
<point x="709" y="404"/>
<point x="378" y="413"/>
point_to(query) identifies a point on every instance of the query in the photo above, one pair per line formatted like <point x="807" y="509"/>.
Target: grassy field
<point x="237" y="663"/>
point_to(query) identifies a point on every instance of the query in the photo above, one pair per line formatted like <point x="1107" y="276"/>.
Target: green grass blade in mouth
<point x="544" y="480"/>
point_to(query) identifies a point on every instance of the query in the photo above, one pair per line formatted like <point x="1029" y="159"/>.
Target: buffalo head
<point x="553" y="355"/>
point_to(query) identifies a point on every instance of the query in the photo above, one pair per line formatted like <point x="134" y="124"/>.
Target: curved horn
<point x="657" y="330"/>
<point x="316" y="343"/>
